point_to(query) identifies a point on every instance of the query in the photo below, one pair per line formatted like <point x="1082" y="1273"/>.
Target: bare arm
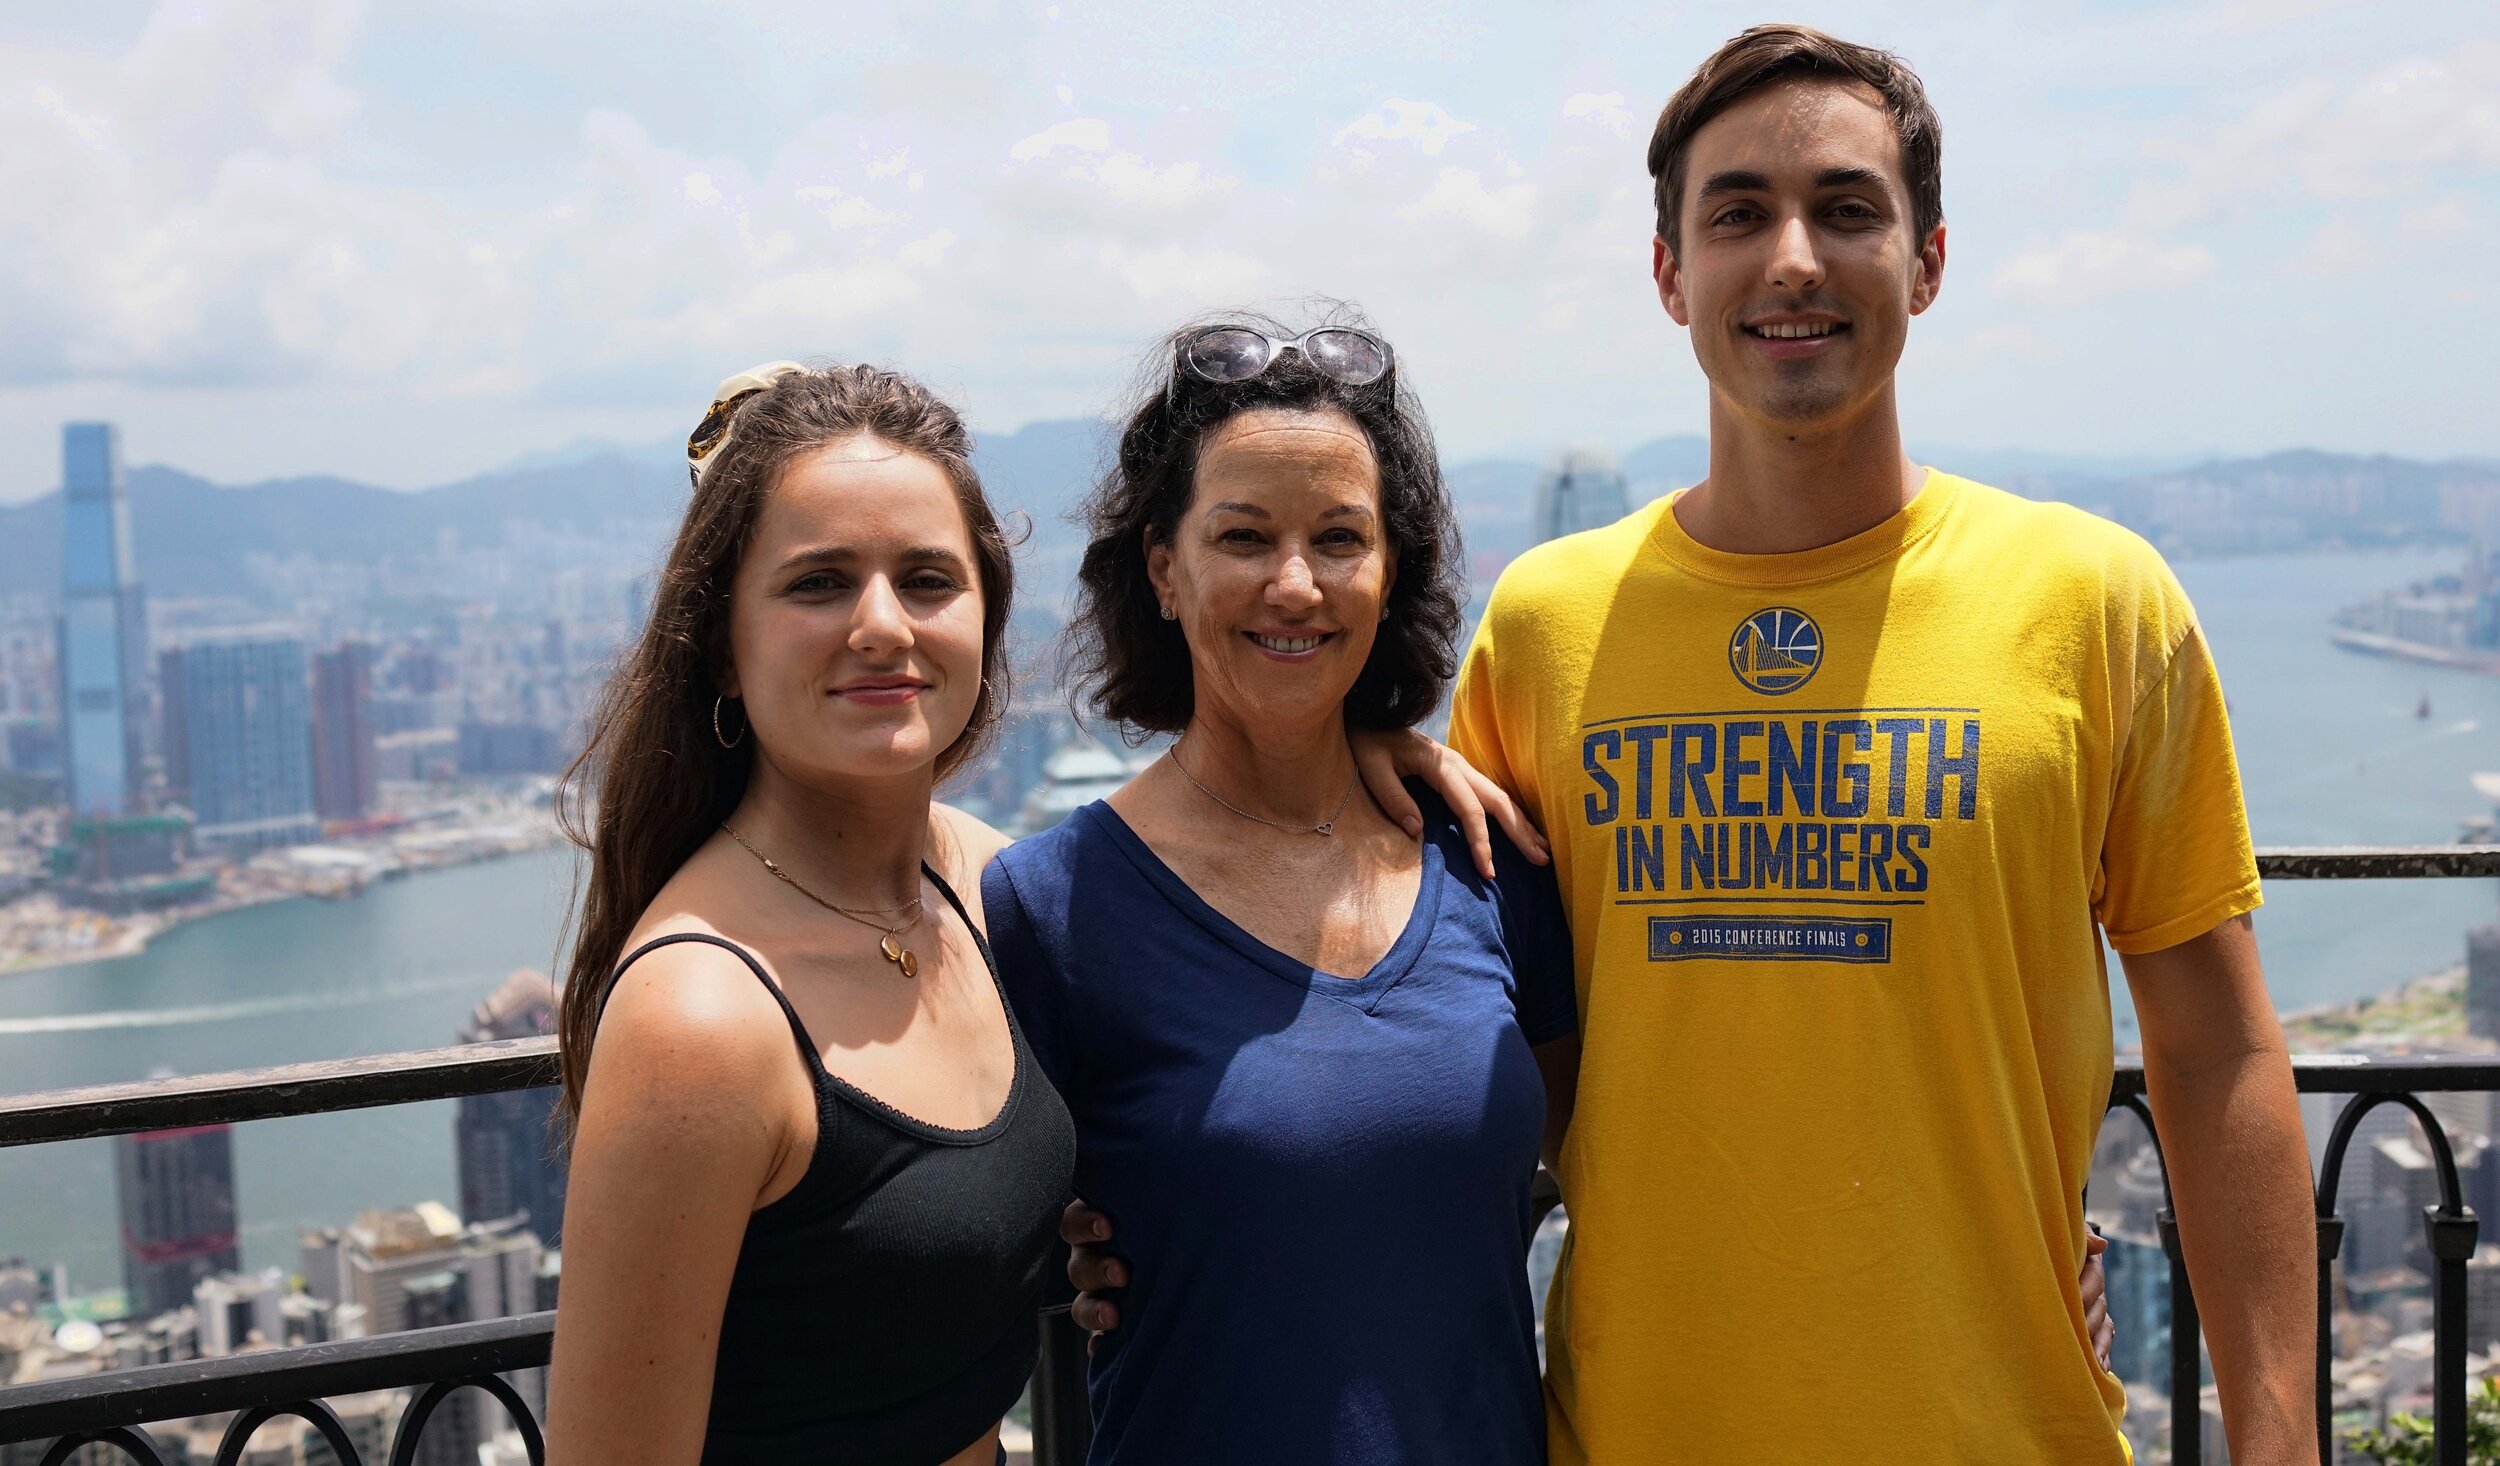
<point x="681" y="1135"/>
<point x="2220" y="1082"/>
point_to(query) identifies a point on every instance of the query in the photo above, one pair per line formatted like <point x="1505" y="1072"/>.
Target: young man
<point x="1844" y="762"/>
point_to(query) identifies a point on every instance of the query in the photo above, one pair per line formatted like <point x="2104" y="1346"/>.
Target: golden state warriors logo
<point x="1776" y="650"/>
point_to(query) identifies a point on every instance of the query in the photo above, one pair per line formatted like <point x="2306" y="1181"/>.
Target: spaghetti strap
<point x="956" y="901"/>
<point x="980" y="940"/>
<point x="798" y="1030"/>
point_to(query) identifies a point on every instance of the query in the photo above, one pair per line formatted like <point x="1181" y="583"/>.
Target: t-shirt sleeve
<point x="1032" y="981"/>
<point x="1475" y="719"/>
<point x="2176" y="860"/>
<point x="1539" y="941"/>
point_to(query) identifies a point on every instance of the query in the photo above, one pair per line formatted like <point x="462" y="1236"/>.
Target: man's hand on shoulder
<point x="1387" y="757"/>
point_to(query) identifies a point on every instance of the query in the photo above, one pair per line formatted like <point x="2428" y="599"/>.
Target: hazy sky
<point x="406" y="242"/>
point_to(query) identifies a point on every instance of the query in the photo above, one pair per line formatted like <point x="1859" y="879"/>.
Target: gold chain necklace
<point x="1327" y="826"/>
<point x="895" y="952"/>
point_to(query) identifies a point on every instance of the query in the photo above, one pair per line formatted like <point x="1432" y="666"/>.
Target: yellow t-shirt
<point x="1835" y="830"/>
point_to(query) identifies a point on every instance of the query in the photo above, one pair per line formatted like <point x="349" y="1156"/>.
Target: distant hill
<point x="196" y="538"/>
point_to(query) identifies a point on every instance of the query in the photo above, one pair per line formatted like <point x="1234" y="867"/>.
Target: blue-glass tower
<point x="1580" y="490"/>
<point x="238" y="730"/>
<point x="104" y="634"/>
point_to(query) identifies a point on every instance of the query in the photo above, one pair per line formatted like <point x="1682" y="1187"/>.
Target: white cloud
<point x="927" y="252"/>
<point x="844" y="210"/>
<point x="1199" y="277"/>
<point x="1427" y="125"/>
<point x="1130" y="179"/>
<point x="1084" y="134"/>
<point x="1601" y="109"/>
<point x="250" y="204"/>
<point x="1508" y="212"/>
<point x="2094" y="265"/>
<point x="2388" y="134"/>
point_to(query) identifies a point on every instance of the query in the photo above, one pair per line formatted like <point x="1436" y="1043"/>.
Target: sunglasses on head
<point x="1238" y="353"/>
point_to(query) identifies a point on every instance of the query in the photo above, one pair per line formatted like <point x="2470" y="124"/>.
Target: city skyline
<point x="297" y="236"/>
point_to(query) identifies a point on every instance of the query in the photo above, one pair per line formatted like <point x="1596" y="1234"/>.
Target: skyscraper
<point x="508" y="1162"/>
<point x="238" y="722"/>
<point x="104" y="635"/>
<point x="1580" y="490"/>
<point x="177" y="1205"/>
<point x="343" y="732"/>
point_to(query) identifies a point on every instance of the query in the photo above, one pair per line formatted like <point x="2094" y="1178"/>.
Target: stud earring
<point x="1170" y="615"/>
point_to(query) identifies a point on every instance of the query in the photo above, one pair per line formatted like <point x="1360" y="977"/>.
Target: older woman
<point x="1301" y="1047"/>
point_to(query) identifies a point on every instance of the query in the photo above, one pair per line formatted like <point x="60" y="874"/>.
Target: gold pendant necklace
<point x="889" y="943"/>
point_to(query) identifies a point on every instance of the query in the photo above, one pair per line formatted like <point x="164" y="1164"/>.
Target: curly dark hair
<point x="1133" y="665"/>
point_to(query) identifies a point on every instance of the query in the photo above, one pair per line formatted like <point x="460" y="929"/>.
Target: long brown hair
<point x="653" y="778"/>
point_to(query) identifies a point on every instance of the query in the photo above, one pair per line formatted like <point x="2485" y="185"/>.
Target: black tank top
<point x="883" y="1312"/>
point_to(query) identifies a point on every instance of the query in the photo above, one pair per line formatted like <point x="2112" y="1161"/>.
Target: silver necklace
<point x="1327" y="826"/>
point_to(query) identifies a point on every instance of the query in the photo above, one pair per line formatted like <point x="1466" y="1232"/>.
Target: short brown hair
<point x="1768" y="54"/>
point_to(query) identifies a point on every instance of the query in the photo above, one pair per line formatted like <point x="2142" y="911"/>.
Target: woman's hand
<point x="2096" y="1320"/>
<point x="1386" y="756"/>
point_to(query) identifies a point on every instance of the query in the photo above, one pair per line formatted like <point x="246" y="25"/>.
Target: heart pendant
<point x="1327" y="827"/>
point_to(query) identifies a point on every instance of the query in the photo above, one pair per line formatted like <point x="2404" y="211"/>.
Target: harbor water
<point x="2335" y="748"/>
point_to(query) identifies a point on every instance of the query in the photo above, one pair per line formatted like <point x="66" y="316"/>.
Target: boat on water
<point x="2483" y="829"/>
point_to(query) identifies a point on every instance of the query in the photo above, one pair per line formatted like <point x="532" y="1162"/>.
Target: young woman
<point x="815" y="1171"/>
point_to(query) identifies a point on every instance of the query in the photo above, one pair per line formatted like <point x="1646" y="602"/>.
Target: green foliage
<point x="2407" y="1439"/>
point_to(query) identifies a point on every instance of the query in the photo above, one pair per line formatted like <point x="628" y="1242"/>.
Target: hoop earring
<point x="725" y="740"/>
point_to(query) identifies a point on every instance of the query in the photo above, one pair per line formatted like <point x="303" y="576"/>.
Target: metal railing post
<point x="2330" y="1244"/>
<point x="2187" y="1355"/>
<point x="1063" y="1419"/>
<point x="2451" y="1230"/>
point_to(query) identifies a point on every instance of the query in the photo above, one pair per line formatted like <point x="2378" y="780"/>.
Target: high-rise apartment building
<point x="104" y="634"/>
<point x="508" y="1162"/>
<point x="177" y="1206"/>
<point x="1581" y="490"/>
<point x="344" y="766"/>
<point x="238" y="729"/>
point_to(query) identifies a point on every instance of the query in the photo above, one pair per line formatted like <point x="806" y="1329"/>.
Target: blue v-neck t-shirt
<point x="1320" y="1182"/>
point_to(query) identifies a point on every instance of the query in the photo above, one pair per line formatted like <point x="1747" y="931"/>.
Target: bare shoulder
<point x="691" y="1023"/>
<point x="970" y="843"/>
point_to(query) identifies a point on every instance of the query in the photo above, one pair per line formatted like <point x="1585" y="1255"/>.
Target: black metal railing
<point x="2450" y="1227"/>
<point x="114" y="1407"/>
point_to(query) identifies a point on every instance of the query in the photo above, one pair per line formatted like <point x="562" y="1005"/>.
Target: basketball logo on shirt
<point x="1776" y="650"/>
